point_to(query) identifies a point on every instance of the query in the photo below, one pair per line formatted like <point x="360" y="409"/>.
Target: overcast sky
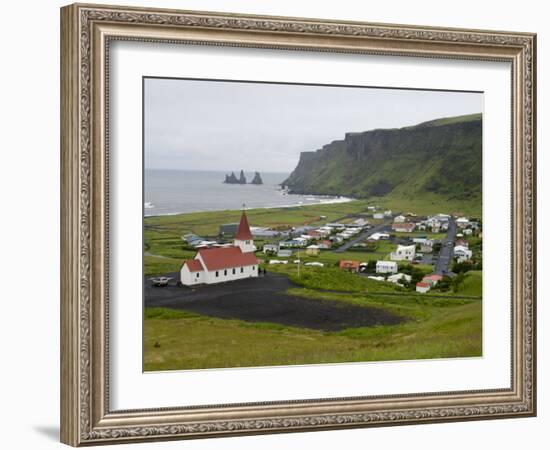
<point x="228" y="126"/>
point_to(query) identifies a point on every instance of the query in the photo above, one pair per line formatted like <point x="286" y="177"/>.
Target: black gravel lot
<point x="263" y="299"/>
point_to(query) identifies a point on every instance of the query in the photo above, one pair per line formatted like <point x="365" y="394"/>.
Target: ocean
<point x="182" y="191"/>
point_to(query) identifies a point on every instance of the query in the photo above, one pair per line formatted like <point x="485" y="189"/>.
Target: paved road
<point x="445" y="259"/>
<point x="362" y="236"/>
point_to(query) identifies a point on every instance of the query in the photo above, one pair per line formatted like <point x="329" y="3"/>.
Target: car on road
<point x="160" y="281"/>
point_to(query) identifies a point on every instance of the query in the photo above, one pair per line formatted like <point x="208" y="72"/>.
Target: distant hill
<point x="437" y="159"/>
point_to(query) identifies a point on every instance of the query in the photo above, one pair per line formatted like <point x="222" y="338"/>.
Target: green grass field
<point x="207" y="223"/>
<point x="436" y="329"/>
<point x="429" y="204"/>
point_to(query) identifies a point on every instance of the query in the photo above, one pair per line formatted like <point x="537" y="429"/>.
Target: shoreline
<point x="336" y="200"/>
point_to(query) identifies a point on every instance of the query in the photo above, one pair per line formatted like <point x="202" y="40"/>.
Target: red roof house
<point x="352" y="266"/>
<point x="406" y="227"/>
<point x="314" y="233"/>
<point x="432" y="279"/>
<point x="422" y="287"/>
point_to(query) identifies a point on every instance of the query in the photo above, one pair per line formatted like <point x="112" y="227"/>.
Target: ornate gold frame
<point x="86" y="31"/>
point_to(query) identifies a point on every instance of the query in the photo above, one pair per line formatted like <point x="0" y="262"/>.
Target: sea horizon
<point x="180" y="191"/>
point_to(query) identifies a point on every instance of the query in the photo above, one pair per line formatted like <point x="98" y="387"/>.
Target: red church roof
<point x="243" y="231"/>
<point x="194" y="265"/>
<point x="226" y="257"/>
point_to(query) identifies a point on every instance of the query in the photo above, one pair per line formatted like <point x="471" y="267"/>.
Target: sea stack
<point x="242" y="178"/>
<point x="257" y="179"/>
<point x="231" y="179"/>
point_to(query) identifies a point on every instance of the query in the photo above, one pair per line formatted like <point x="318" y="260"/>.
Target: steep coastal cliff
<point x="441" y="157"/>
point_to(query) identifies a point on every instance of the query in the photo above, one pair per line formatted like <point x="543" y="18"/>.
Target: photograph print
<point x="290" y="224"/>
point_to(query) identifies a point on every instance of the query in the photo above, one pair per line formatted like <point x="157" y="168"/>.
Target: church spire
<point x="243" y="230"/>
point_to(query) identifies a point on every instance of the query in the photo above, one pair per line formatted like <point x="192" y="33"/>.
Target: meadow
<point x="436" y="328"/>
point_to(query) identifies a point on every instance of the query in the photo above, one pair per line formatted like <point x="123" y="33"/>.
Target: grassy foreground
<point x="436" y="329"/>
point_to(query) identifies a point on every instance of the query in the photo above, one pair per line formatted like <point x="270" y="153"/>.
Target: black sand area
<point x="264" y="299"/>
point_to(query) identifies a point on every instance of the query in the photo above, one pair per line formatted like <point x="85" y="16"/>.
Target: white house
<point x="278" y="261"/>
<point x="420" y="239"/>
<point x="386" y="267"/>
<point x="295" y="242"/>
<point x="221" y="264"/>
<point x="404" y="227"/>
<point x="378" y="216"/>
<point x="399" y="219"/>
<point x="399" y="276"/>
<point x="422" y="287"/>
<point x="388" y="213"/>
<point x="427" y="246"/>
<point x="462" y="222"/>
<point x="379" y="236"/>
<point x="372" y="277"/>
<point x="403" y="253"/>
<point x="462" y="253"/>
<point x="271" y="248"/>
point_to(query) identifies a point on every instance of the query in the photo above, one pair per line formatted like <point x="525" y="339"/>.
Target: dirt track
<point x="264" y="299"/>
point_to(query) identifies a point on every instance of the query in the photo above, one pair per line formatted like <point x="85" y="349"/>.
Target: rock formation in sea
<point x="232" y="179"/>
<point x="242" y="178"/>
<point x="257" y="179"/>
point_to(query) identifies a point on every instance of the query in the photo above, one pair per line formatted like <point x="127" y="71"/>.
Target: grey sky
<point x="228" y="126"/>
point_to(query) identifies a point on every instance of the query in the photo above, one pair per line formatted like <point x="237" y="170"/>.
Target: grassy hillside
<point x="438" y="160"/>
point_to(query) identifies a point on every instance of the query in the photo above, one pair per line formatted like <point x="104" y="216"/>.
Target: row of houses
<point x="436" y="224"/>
<point x="297" y="261"/>
<point x="324" y="237"/>
<point x="199" y="242"/>
<point x="386" y="270"/>
<point x="383" y="267"/>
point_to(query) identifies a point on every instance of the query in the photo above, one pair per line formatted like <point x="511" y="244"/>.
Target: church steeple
<point x="243" y="237"/>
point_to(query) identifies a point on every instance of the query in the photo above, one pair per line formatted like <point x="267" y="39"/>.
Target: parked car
<point x="160" y="281"/>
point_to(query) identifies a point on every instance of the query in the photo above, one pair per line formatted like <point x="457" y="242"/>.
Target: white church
<point x="221" y="264"/>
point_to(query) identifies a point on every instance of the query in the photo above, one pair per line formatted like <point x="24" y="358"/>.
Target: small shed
<point x="313" y="250"/>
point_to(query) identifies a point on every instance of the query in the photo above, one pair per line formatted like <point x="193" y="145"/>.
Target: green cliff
<point x="436" y="159"/>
